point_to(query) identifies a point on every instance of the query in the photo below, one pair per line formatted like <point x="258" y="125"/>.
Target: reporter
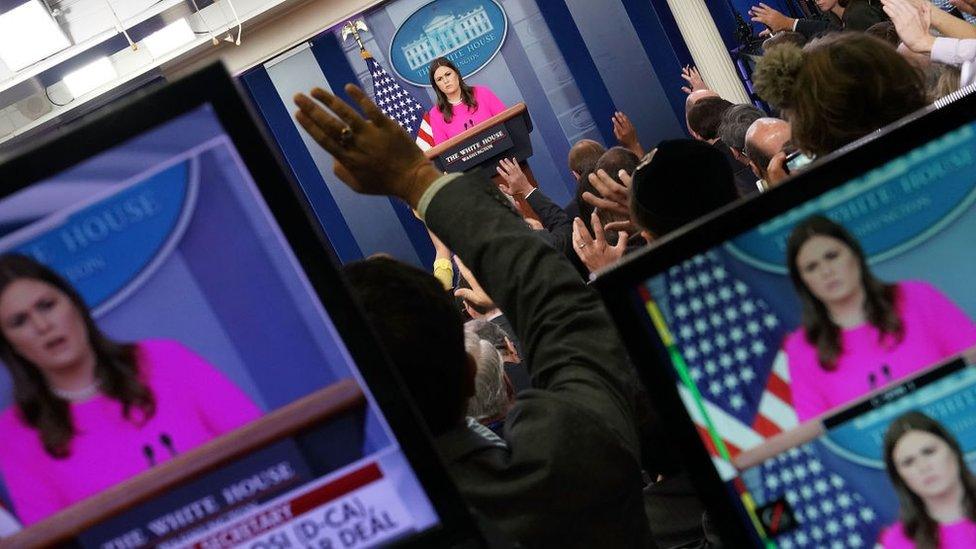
<point x="570" y="448"/>
<point x="851" y="15"/>
<point x="913" y="24"/>
<point x="91" y="412"/>
<point x="838" y="89"/>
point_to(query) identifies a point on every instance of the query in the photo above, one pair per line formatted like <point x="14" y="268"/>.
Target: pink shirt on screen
<point x="194" y="403"/>
<point x="935" y="329"/>
<point x="958" y="534"/>
<point x="464" y="117"/>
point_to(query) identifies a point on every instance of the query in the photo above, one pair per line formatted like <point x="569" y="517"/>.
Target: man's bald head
<point x="583" y="156"/>
<point x="764" y="140"/>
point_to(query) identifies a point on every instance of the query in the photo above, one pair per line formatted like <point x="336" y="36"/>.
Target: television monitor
<point x="183" y="364"/>
<point x="811" y="348"/>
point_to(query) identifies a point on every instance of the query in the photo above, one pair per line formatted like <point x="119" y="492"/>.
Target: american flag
<point x="397" y="103"/>
<point x="828" y="512"/>
<point x="727" y="340"/>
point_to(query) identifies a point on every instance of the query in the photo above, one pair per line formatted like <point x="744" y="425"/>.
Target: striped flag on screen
<point x="399" y="104"/>
<point x="829" y="512"/>
<point x="726" y="344"/>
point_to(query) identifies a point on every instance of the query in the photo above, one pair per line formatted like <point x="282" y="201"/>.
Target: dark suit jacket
<point x="517" y="371"/>
<point x="859" y="15"/>
<point x="559" y="224"/>
<point x="566" y="472"/>
<point x="745" y="180"/>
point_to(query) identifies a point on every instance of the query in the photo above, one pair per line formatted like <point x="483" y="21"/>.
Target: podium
<point x="175" y="480"/>
<point x="505" y="135"/>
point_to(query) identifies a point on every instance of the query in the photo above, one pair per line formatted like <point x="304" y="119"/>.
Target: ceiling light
<point x="169" y="38"/>
<point x="28" y="34"/>
<point x="90" y="76"/>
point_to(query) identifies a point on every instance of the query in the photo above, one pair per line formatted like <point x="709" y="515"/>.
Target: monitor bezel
<point x="150" y="108"/>
<point x="618" y="285"/>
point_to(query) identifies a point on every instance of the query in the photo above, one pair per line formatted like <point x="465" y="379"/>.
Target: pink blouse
<point x="464" y="118"/>
<point x="935" y="329"/>
<point x="951" y="536"/>
<point x="194" y="403"/>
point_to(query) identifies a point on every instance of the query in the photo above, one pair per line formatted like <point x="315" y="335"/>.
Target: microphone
<point x="886" y="371"/>
<point x="168" y="444"/>
<point x="147" y="451"/>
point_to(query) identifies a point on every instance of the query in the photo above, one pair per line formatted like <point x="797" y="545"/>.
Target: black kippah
<point x="684" y="180"/>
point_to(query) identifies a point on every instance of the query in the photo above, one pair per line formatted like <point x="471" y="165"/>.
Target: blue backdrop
<point x="572" y="62"/>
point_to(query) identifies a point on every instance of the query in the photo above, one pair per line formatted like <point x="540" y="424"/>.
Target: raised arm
<point x="569" y="340"/>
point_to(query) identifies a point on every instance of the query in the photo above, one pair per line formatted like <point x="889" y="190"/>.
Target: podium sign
<point x="469" y="153"/>
<point x="505" y="135"/>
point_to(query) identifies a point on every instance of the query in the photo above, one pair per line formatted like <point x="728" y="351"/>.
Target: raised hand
<point x="772" y="18"/>
<point x="374" y="155"/>
<point x="912" y="21"/>
<point x="693" y="78"/>
<point x="626" y="133"/>
<point x="516" y="184"/>
<point x="615" y="197"/>
<point x="593" y="250"/>
<point x="474" y="295"/>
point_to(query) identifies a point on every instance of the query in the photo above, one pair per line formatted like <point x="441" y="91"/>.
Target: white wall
<point x="267" y="37"/>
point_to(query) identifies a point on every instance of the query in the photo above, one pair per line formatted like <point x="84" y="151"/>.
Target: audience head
<point x="838" y="89"/>
<point x="583" y="156"/>
<point x="494" y="334"/>
<point x="784" y="37"/>
<point x="885" y="30"/>
<point x="446" y="81"/>
<point x="766" y="138"/>
<point x="612" y="161"/>
<point x="941" y="80"/>
<point x="492" y="392"/>
<point x="696" y="96"/>
<point x="705" y="118"/>
<point x="927" y="467"/>
<point x="678" y="182"/>
<point x="735" y="124"/>
<point x="421" y="330"/>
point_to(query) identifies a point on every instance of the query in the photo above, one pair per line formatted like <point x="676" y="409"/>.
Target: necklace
<point x="77" y="395"/>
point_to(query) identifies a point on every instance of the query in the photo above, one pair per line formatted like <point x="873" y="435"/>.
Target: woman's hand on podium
<point x="373" y="155"/>
<point x="516" y="184"/>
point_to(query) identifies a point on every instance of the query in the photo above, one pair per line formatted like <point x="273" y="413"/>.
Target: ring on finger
<point x="345" y="136"/>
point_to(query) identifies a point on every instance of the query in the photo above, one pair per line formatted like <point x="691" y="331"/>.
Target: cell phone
<point x="797" y="160"/>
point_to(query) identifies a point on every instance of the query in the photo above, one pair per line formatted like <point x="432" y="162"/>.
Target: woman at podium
<point x="90" y="412"/>
<point x="857" y="332"/>
<point x="459" y="106"/>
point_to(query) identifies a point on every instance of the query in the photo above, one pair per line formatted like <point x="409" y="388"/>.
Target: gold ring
<point x="345" y="136"/>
